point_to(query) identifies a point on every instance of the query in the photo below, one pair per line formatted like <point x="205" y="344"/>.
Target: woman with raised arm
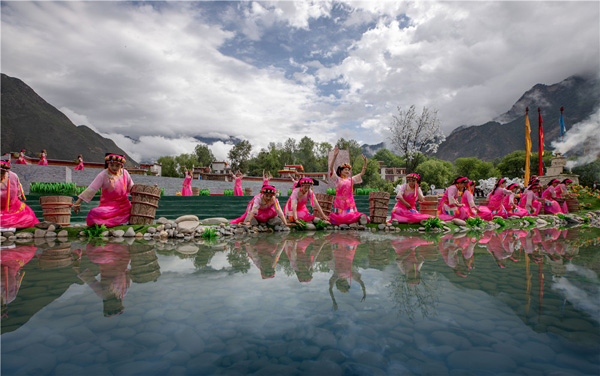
<point x="186" y="190"/>
<point x="344" y="209"/>
<point x="115" y="182"/>
<point x="237" y="185"/>
<point x="409" y="193"/>
<point x="266" y="177"/>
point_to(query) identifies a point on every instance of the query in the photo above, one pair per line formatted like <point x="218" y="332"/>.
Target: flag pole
<point x="540" y="144"/>
<point x="527" y="147"/>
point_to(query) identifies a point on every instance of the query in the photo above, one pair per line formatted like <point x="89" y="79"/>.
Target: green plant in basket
<point x="475" y="222"/>
<point x="95" y="231"/>
<point x="431" y="223"/>
<point x="499" y="221"/>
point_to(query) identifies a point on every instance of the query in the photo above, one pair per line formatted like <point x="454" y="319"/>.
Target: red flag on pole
<point x="541" y="144"/>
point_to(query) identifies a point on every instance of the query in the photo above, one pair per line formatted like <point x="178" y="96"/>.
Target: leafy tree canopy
<point x="436" y="172"/>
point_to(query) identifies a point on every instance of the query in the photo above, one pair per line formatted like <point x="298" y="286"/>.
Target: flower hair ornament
<point x="114" y="158"/>
<point x="5" y="165"/>
<point x="341" y="167"/>
<point x="268" y="189"/>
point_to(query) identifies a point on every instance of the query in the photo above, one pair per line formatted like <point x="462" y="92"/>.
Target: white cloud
<point x="157" y="73"/>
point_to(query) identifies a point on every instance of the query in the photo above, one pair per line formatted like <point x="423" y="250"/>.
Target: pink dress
<point x="495" y="202"/>
<point x="21" y="159"/>
<point x="551" y="206"/>
<point x="561" y="192"/>
<point x="300" y="261"/>
<point x="13" y="211"/>
<point x="344" y="247"/>
<point x="12" y="261"/>
<point x="344" y="209"/>
<point x="401" y="213"/>
<point x="114" y="208"/>
<point x="262" y="211"/>
<point x="187" y="186"/>
<point x="80" y="164"/>
<point x="264" y="256"/>
<point x="300" y="202"/>
<point x="265" y="182"/>
<point x="529" y="199"/>
<point x="447" y="209"/>
<point x="43" y="160"/>
<point x="237" y="187"/>
<point x="469" y="202"/>
<point x="509" y="201"/>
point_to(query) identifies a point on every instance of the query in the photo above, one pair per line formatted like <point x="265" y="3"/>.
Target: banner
<point x="541" y="144"/>
<point x="527" y="146"/>
<point x="562" y="125"/>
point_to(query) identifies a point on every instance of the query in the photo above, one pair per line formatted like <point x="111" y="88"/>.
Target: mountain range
<point x="579" y="96"/>
<point x="31" y="123"/>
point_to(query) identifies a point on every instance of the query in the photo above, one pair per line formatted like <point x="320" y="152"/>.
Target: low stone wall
<point x="49" y="174"/>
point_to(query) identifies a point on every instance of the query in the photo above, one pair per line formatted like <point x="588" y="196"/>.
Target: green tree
<point x="239" y="155"/>
<point x="436" y="172"/>
<point x="513" y="165"/>
<point x="352" y="145"/>
<point x="474" y="168"/>
<point x="588" y="173"/>
<point x="322" y="153"/>
<point x="389" y="159"/>
<point x="288" y="152"/>
<point x="204" y="155"/>
<point x="168" y="166"/>
<point x="186" y="161"/>
<point x="305" y="154"/>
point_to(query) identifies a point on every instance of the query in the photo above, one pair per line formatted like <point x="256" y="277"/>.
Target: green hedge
<point x="204" y="192"/>
<point x="59" y="189"/>
<point x="228" y="192"/>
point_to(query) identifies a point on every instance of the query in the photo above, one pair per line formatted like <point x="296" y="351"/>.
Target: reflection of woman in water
<point x="457" y="251"/>
<point x="13" y="259"/>
<point x="409" y="260"/>
<point x="264" y="255"/>
<point x="112" y="259"/>
<point x="301" y="260"/>
<point x="344" y="246"/>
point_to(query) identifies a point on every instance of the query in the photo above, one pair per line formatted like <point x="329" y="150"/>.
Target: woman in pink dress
<point x="551" y="206"/>
<point x="43" y="158"/>
<point x="113" y="261"/>
<point x="266" y="177"/>
<point x="13" y="212"/>
<point x="262" y="207"/>
<point x="469" y="202"/>
<point x="13" y="259"/>
<point x="563" y="192"/>
<point x="449" y="206"/>
<point x="344" y="209"/>
<point x="115" y="182"/>
<point x="344" y="247"/>
<point x="496" y="197"/>
<point x="510" y="204"/>
<point x="529" y="200"/>
<point x="21" y="159"/>
<point x="79" y="163"/>
<point x="409" y="193"/>
<point x="295" y="207"/>
<point x="409" y="260"/>
<point x="186" y="190"/>
<point x="237" y="185"/>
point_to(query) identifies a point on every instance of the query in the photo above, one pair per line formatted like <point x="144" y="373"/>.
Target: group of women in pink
<point x="44" y="159"/>
<point x="458" y="201"/>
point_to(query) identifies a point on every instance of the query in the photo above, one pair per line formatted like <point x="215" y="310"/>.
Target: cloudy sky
<point x="155" y="75"/>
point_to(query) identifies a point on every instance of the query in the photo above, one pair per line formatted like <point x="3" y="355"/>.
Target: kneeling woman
<point x="510" y="204"/>
<point x="295" y="207"/>
<point x="409" y="193"/>
<point x="13" y="212"/>
<point x="263" y="207"/>
<point x="344" y="209"/>
<point x="449" y="207"/>
<point x="469" y="202"/>
<point x="529" y="199"/>
<point x="115" y="182"/>
<point x="496" y="197"/>
<point x="551" y="206"/>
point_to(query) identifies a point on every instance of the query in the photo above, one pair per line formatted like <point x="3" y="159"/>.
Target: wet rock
<point x="151" y="230"/>
<point x="187" y="218"/>
<point x="162" y="220"/>
<point x="117" y="233"/>
<point x="129" y="233"/>
<point x="24" y="235"/>
<point x="214" y="220"/>
<point x="39" y="233"/>
<point x="187" y="227"/>
<point x="459" y="222"/>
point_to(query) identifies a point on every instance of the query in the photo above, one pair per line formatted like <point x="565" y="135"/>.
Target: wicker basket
<point x="378" y="206"/>
<point x="325" y="201"/>
<point x="57" y="209"/>
<point x="144" y="202"/>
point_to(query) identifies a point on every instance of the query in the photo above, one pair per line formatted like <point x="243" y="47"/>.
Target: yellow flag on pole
<point x="527" y="145"/>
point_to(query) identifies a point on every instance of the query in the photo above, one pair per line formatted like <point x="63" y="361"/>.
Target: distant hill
<point x="505" y="134"/>
<point x="31" y="123"/>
